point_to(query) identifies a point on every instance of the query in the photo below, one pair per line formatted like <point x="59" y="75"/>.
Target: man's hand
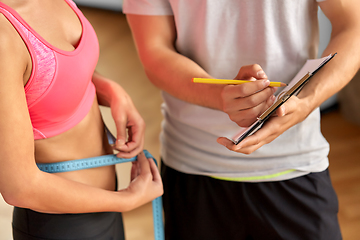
<point x="245" y="102"/>
<point x="289" y="114"/>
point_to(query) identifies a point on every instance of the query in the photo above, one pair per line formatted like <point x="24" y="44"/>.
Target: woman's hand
<point x="146" y="183"/>
<point x="130" y="125"/>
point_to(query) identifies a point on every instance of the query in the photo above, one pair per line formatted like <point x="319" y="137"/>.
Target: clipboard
<point x="311" y="68"/>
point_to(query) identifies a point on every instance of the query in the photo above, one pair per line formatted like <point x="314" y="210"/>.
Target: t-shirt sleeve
<point x="147" y="7"/>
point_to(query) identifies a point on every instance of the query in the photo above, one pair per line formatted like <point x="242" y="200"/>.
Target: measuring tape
<point x="108" y="160"/>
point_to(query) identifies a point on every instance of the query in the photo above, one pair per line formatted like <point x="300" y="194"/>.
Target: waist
<point x="192" y="149"/>
<point x="86" y="139"/>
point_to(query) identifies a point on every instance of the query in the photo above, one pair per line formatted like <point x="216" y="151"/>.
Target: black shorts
<point x="31" y="225"/>
<point x="199" y="207"/>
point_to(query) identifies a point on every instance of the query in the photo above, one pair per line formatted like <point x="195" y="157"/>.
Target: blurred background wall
<point x="106" y="4"/>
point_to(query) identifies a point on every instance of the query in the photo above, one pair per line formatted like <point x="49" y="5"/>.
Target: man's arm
<point x="345" y="20"/>
<point x="172" y="72"/>
<point x="345" y="36"/>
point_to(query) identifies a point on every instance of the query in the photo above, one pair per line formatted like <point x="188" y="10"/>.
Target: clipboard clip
<point x="283" y="97"/>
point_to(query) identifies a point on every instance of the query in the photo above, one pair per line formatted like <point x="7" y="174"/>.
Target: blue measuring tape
<point x="108" y="160"/>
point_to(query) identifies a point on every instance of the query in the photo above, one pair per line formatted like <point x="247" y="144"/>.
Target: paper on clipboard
<point x="294" y="87"/>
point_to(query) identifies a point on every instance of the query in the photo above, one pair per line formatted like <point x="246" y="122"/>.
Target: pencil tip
<point x="283" y="84"/>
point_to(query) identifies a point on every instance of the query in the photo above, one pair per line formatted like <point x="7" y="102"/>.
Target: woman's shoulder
<point x="9" y="37"/>
<point x="12" y="48"/>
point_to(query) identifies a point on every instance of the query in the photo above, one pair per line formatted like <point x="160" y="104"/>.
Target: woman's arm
<point x="21" y="182"/>
<point x="129" y="124"/>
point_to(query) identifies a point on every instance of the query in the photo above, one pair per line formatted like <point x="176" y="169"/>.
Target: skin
<point x="155" y="37"/>
<point x="22" y="184"/>
<point x="345" y="30"/>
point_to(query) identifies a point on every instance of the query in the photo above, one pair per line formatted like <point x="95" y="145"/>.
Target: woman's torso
<point x="57" y="23"/>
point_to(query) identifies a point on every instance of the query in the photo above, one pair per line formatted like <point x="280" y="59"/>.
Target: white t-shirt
<point x="221" y="36"/>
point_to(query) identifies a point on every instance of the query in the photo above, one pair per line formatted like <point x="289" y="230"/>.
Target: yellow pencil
<point x="227" y="81"/>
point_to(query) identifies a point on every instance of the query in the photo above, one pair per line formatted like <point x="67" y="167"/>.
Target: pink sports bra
<point x="59" y="92"/>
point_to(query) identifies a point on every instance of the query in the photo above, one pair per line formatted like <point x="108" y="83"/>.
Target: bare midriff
<point x="86" y="139"/>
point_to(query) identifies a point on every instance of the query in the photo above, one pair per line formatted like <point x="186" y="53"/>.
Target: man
<point x="274" y="184"/>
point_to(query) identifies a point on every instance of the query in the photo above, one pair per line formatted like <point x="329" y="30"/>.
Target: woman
<point x="49" y="112"/>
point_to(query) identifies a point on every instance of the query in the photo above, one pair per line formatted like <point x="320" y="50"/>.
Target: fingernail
<point x="266" y="83"/>
<point x="261" y="74"/>
<point x="120" y="142"/>
<point x="271" y="99"/>
<point x="283" y="112"/>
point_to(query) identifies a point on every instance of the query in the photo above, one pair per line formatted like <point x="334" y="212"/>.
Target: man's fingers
<point x="248" y="71"/>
